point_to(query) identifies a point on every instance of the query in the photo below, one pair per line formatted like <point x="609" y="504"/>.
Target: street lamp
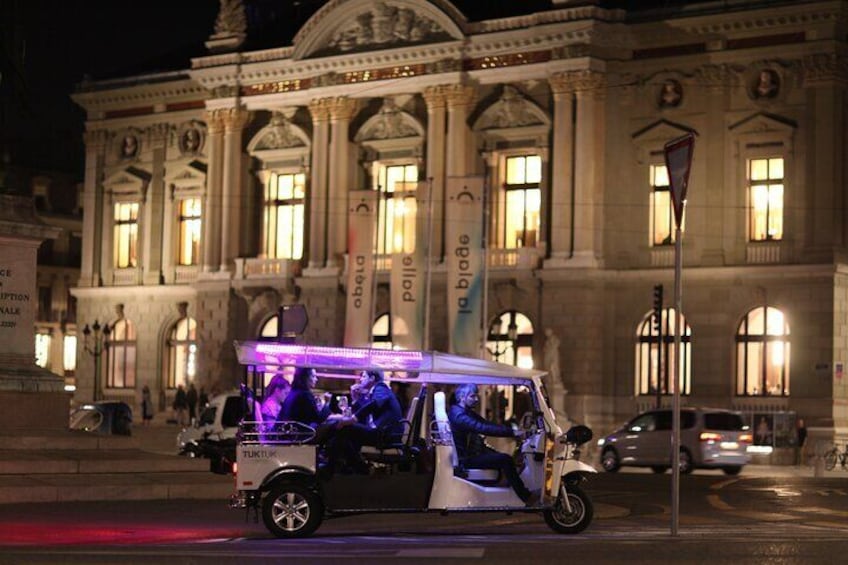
<point x="95" y="342"/>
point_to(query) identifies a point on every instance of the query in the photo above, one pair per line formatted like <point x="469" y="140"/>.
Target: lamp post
<point x="95" y="342"/>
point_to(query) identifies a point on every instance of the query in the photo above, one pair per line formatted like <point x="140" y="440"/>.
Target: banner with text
<point x="362" y="212"/>
<point x="464" y="257"/>
<point x="409" y="239"/>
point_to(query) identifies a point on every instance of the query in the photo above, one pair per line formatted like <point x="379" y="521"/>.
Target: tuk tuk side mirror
<point x="578" y="435"/>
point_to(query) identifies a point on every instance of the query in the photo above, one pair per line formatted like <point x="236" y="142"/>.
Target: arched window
<point x="655" y="355"/>
<point x="381" y="332"/>
<point x="762" y="353"/>
<point x="121" y="355"/>
<point x="182" y="353"/>
<point x="510" y="339"/>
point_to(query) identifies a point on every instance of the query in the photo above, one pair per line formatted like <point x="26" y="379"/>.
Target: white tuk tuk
<point x="278" y="468"/>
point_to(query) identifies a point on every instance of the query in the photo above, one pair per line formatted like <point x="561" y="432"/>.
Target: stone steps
<point x="61" y="466"/>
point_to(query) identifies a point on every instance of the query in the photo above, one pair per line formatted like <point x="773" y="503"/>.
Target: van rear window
<point x="723" y="421"/>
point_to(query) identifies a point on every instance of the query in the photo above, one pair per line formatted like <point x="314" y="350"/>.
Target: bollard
<point x="818" y="467"/>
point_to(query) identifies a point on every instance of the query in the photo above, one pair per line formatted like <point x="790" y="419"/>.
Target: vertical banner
<point x="362" y="212"/>
<point x="409" y="262"/>
<point x="464" y="257"/>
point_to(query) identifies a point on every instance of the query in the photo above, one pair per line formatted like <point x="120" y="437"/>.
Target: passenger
<point x="377" y="421"/>
<point x="468" y="429"/>
<point x="275" y="395"/>
<point x="300" y="404"/>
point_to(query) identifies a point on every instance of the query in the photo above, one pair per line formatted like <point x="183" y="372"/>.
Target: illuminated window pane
<point x="510" y="339"/>
<point x="381" y="332"/>
<point x="69" y="360"/>
<point x="396" y="216"/>
<point x="283" y="216"/>
<point x="762" y="349"/>
<point x="42" y="350"/>
<point x="521" y="218"/>
<point x="126" y="234"/>
<point x="655" y="355"/>
<point x="662" y="211"/>
<point x="182" y="346"/>
<point x="121" y="358"/>
<point x="766" y="190"/>
<point x="190" y="228"/>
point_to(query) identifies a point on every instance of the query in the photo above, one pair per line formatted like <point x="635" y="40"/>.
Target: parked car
<point x="710" y="438"/>
<point x="213" y="435"/>
<point x="106" y="417"/>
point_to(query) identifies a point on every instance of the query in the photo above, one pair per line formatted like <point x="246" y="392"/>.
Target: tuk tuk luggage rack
<point x="278" y="433"/>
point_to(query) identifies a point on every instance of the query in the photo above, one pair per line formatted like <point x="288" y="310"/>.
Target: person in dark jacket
<point x="300" y="405"/>
<point x="376" y="422"/>
<point x="468" y="429"/>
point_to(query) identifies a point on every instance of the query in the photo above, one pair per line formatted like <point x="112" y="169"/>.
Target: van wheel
<point x="732" y="470"/>
<point x="609" y="461"/>
<point x="578" y="519"/>
<point x="659" y="469"/>
<point x="292" y="511"/>
<point x="685" y="462"/>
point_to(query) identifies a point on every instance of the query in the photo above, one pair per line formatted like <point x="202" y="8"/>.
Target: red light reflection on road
<point x="41" y="533"/>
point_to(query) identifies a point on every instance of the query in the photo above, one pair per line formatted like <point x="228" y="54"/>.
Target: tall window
<point x="126" y="234"/>
<point x="662" y="212"/>
<point x="765" y="186"/>
<point x="395" y="224"/>
<point x="182" y="353"/>
<point x="189" y="231"/>
<point x="762" y="353"/>
<point x="655" y="355"/>
<point x="69" y="359"/>
<point x="283" y="216"/>
<point x="42" y="349"/>
<point x="121" y="351"/>
<point x="523" y="201"/>
<point x="381" y="332"/>
<point x="510" y="340"/>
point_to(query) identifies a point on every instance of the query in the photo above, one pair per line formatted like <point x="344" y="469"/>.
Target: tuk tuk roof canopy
<point x="271" y="354"/>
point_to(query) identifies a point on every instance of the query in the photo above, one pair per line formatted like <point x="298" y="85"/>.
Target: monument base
<point x="33" y="399"/>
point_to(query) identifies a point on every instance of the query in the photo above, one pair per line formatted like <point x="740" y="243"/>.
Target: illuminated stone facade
<point x="593" y="93"/>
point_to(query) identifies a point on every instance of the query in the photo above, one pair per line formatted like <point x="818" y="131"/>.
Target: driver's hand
<point x="520" y="435"/>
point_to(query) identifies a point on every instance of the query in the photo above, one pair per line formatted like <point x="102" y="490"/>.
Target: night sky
<point x="50" y="45"/>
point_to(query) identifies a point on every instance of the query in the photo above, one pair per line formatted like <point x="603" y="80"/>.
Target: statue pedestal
<point x="30" y="397"/>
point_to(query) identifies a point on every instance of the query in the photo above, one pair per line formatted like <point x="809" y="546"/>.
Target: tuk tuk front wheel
<point x="563" y="521"/>
<point x="292" y="511"/>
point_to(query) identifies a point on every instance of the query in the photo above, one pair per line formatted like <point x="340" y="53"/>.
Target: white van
<point x="218" y="421"/>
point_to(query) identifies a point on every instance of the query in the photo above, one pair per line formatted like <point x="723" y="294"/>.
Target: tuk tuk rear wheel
<point x="562" y="521"/>
<point x="292" y="511"/>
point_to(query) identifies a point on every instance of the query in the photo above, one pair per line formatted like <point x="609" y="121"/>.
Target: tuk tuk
<point x="277" y="467"/>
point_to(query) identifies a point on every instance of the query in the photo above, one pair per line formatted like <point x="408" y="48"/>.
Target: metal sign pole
<point x="675" y="384"/>
<point x="678" y="160"/>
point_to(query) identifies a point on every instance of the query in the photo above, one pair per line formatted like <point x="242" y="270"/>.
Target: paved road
<point x="746" y="519"/>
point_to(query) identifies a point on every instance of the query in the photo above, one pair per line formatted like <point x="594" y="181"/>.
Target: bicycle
<point x="832" y="456"/>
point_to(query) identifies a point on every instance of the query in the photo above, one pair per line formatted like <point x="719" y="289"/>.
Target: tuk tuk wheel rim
<point x="290" y="511"/>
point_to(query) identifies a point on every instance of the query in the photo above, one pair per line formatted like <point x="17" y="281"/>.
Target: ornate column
<point x="459" y="98"/>
<point x="154" y="210"/>
<point x="436" y="100"/>
<point x="92" y="236"/>
<point x="212" y="202"/>
<point x="320" y="111"/>
<point x="562" y="173"/>
<point x="341" y="109"/>
<point x="233" y="204"/>
<point x="588" y="168"/>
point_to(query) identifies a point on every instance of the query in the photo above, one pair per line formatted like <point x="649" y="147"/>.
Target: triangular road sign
<point x="678" y="161"/>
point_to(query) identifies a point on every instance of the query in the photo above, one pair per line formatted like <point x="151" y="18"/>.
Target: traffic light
<point x="658" y="308"/>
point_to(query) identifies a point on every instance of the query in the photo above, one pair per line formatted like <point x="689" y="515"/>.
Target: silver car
<point x="710" y="438"/>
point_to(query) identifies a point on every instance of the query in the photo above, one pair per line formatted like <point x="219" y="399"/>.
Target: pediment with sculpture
<point x="363" y="26"/>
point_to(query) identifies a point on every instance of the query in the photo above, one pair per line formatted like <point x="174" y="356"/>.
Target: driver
<point x="468" y="429"/>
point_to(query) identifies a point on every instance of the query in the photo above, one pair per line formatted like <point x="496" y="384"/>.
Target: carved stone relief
<point x="191" y="137"/>
<point x="389" y="123"/>
<point x="279" y="134"/>
<point x="385" y="25"/>
<point x="512" y="110"/>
